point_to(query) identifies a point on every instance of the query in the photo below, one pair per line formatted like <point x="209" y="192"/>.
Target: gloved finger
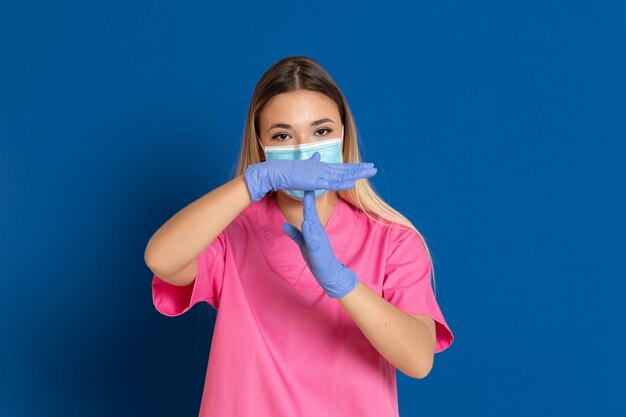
<point x="310" y="209"/>
<point x="347" y="171"/>
<point x="315" y="157"/>
<point x="338" y="166"/>
<point x="312" y="236"/>
<point x="337" y="182"/>
<point x="365" y="173"/>
<point x="350" y="171"/>
<point x="345" y="185"/>
<point x="341" y="185"/>
<point x="293" y="233"/>
<point x="331" y="182"/>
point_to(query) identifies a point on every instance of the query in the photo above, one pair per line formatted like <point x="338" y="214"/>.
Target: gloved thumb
<point x="315" y="157"/>
<point x="293" y="233"/>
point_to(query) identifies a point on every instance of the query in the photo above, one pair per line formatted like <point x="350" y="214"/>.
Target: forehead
<point x="300" y="106"/>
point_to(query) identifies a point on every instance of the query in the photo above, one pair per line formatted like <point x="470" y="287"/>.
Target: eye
<point x="275" y="137"/>
<point x="329" y="130"/>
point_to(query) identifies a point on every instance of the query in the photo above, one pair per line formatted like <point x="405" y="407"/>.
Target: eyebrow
<point x="286" y="126"/>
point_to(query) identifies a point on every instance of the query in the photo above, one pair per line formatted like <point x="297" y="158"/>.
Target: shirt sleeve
<point x="172" y="300"/>
<point x="407" y="283"/>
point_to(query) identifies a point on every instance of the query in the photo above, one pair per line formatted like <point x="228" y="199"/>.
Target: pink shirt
<point x="281" y="346"/>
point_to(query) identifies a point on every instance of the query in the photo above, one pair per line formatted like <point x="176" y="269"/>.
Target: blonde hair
<point x="304" y="73"/>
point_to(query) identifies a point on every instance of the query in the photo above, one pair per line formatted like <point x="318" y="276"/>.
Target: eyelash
<point x="282" y="134"/>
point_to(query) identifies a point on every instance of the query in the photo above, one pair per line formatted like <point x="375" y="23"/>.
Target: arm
<point x="173" y="249"/>
<point x="406" y="341"/>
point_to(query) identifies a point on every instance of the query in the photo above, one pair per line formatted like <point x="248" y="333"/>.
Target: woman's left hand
<point x="334" y="277"/>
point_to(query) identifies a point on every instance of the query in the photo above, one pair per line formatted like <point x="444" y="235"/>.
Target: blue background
<point x="498" y="128"/>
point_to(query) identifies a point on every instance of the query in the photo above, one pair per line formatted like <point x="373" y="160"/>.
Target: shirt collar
<point x="284" y="253"/>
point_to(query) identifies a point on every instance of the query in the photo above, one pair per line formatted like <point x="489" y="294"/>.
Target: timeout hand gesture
<point x="334" y="277"/>
<point x="306" y="175"/>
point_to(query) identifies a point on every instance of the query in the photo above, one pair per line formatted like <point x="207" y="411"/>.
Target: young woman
<point x="322" y="289"/>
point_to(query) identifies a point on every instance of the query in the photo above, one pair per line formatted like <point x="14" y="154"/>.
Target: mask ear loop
<point x="341" y="142"/>
<point x="262" y="147"/>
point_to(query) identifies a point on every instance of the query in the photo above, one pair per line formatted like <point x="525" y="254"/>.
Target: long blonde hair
<point x="304" y="73"/>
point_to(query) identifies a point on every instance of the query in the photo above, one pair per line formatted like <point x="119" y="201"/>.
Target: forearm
<point x="194" y="227"/>
<point x="400" y="338"/>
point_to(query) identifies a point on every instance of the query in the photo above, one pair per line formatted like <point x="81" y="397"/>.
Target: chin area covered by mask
<point x="330" y="150"/>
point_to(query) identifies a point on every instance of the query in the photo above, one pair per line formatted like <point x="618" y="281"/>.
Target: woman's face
<point x="299" y="117"/>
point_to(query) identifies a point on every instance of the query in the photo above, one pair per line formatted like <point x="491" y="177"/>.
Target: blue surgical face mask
<point x="329" y="150"/>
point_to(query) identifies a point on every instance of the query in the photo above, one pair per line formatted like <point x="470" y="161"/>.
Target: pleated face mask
<point x="330" y="151"/>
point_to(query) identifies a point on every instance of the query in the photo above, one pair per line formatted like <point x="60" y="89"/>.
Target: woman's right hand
<point x="306" y="175"/>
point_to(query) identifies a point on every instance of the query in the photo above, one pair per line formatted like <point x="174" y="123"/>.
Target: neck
<point x="292" y="209"/>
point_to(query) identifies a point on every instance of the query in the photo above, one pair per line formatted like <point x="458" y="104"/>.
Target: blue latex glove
<point x="334" y="277"/>
<point x="306" y="174"/>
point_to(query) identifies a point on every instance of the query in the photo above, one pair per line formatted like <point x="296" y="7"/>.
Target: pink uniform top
<point x="281" y="346"/>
